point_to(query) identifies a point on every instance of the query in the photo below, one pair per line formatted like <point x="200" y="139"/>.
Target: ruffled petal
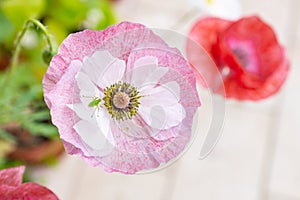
<point x="161" y="95"/>
<point x="160" y="106"/>
<point x="103" y="121"/>
<point x="252" y="50"/>
<point x="205" y="33"/>
<point x="83" y="112"/>
<point x="26" y="191"/>
<point x="64" y="118"/>
<point x="91" y="134"/>
<point x="112" y="74"/>
<point x="12" y="176"/>
<point x="95" y="65"/>
<point x="88" y="89"/>
<point x="155" y="76"/>
<point x="144" y="65"/>
<point x="145" y="61"/>
<point x="11" y="186"/>
<point x="162" y="118"/>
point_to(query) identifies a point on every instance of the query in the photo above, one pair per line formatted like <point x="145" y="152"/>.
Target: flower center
<point x="121" y="100"/>
<point x="242" y="56"/>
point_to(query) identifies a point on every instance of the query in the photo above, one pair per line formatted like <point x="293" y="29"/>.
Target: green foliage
<point x="4" y="163"/>
<point x="7" y="26"/>
<point x="22" y="103"/>
<point x="61" y="16"/>
<point x="6" y="136"/>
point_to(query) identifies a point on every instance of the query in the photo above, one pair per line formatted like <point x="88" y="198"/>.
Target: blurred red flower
<point x="252" y="63"/>
<point x="11" y="187"/>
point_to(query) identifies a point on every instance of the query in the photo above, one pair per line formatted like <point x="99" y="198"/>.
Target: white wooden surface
<point x="258" y="156"/>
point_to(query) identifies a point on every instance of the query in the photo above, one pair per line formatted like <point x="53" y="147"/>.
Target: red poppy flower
<point x="252" y="63"/>
<point x="11" y="187"/>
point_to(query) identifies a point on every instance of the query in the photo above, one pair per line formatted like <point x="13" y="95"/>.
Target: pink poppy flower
<point x="121" y="98"/>
<point x="11" y="186"/>
<point x="247" y="53"/>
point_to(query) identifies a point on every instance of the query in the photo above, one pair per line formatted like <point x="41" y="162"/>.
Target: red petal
<point x="250" y="48"/>
<point x="30" y="191"/>
<point x="12" y="176"/>
<point x="202" y="51"/>
<point x="271" y="85"/>
<point x="205" y="33"/>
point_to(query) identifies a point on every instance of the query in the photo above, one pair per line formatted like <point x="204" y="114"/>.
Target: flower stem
<point x="38" y="27"/>
<point x="14" y="62"/>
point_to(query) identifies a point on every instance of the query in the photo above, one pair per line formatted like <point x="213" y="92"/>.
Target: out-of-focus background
<point x="257" y="157"/>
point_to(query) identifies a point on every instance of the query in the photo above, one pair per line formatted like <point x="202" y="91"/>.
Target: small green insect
<point x="95" y="102"/>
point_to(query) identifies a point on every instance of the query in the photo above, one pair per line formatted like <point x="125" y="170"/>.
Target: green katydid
<point x="95" y="102"/>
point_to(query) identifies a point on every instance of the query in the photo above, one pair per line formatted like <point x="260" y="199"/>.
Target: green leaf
<point x="23" y="103"/>
<point x="41" y="129"/>
<point x="4" y="163"/>
<point x="42" y="115"/>
<point x="7" y="136"/>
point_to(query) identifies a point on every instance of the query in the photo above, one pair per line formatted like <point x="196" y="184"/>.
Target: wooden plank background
<point x="258" y="156"/>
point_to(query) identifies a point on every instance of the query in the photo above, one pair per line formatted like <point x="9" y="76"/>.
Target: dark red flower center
<point x="241" y="56"/>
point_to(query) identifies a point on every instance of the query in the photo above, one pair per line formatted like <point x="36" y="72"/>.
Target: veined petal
<point x="95" y="65"/>
<point x="91" y="134"/>
<point x="160" y="107"/>
<point x="146" y="65"/>
<point x="103" y="121"/>
<point x="12" y="176"/>
<point x="83" y="112"/>
<point x="112" y="74"/>
<point x="85" y="84"/>
<point x="135" y="128"/>
<point x="162" y="118"/>
<point x="173" y="87"/>
<point x="142" y="66"/>
<point x="162" y="95"/>
<point x="26" y="191"/>
<point x="155" y="76"/>
<point x="146" y="60"/>
<point x="88" y="89"/>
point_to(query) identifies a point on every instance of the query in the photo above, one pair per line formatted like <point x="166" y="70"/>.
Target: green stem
<point x="14" y="62"/>
<point x="39" y="26"/>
